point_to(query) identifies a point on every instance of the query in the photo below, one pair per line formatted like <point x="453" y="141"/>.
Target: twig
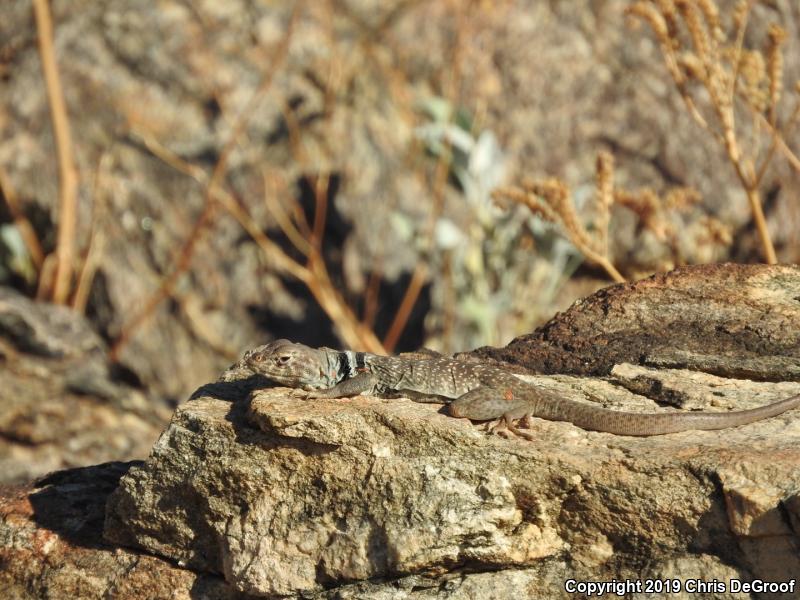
<point x="68" y="174"/>
<point x="709" y="70"/>
<point x="280" y="215"/>
<point x="44" y="290"/>
<point x="741" y="26"/>
<point x="321" y="187"/>
<point x="779" y="141"/>
<point x="371" y="295"/>
<point x="167" y="285"/>
<point x="550" y="200"/>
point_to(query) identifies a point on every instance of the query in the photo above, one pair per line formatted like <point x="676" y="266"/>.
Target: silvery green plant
<point x="500" y="287"/>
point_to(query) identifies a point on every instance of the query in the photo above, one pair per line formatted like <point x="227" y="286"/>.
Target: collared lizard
<point x="479" y="392"/>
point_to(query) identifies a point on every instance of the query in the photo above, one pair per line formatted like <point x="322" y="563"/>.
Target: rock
<point x="389" y="498"/>
<point x="62" y="405"/>
<point x="740" y="321"/>
<point x="51" y="547"/>
<point x="253" y="492"/>
<point x="284" y="496"/>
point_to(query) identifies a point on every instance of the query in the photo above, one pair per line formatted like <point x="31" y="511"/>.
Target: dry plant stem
<point x="418" y="278"/>
<point x="780" y="143"/>
<point x="167" y="286"/>
<point x="314" y="274"/>
<point x="308" y="239"/>
<point x="775" y="69"/>
<point x="44" y="289"/>
<point x="604" y="198"/>
<point x="754" y="198"/>
<point x="373" y="47"/>
<point x="721" y="97"/>
<point x="276" y="210"/>
<point x="398" y="84"/>
<point x="748" y="180"/>
<point x="90" y="265"/>
<point x="371" y="296"/>
<point x="354" y="333"/>
<point x="21" y="222"/>
<point x="530" y="198"/>
<point x="737" y="61"/>
<point x="601" y="261"/>
<point x="212" y="193"/>
<point x="68" y="174"/>
<point x="321" y="185"/>
<point x="420" y="273"/>
<point x="280" y="260"/>
<point x="80" y="297"/>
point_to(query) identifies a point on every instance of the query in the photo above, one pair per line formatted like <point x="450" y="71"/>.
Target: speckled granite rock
<point x="284" y="496"/>
<point x="370" y="498"/>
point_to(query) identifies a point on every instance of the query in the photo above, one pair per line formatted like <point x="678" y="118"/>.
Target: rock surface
<point x="61" y="404"/>
<point x="51" y="547"/>
<point x="733" y="320"/>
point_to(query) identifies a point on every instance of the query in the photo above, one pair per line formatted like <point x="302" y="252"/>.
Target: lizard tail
<point x="645" y="424"/>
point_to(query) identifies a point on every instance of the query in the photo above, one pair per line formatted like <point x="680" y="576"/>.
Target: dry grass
<point x="56" y="273"/>
<point x="703" y="52"/>
<point x="213" y="197"/>
<point x="307" y="238"/>
<point x="551" y="200"/>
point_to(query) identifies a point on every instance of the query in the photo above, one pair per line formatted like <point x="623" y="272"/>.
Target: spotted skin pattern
<point x="475" y="391"/>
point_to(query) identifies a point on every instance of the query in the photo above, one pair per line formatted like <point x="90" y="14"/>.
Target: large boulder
<point x="284" y="496"/>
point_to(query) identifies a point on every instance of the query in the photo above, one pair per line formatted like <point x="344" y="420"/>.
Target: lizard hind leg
<point x="505" y="425"/>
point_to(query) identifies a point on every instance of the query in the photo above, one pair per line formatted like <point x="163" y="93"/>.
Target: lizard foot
<point x="505" y="427"/>
<point x="499" y="427"/>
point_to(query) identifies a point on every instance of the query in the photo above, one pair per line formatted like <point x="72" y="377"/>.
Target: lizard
<point x="476" y="391"/>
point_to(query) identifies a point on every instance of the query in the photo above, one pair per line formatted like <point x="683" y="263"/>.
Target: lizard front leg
<point x="363" y="382"/>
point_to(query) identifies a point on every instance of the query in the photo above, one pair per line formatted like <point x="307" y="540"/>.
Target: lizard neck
<point x="348" y="364"/>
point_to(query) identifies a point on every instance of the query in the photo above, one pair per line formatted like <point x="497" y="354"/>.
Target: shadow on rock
<point x="233" y="390"/>
<point x="72" y="503"/>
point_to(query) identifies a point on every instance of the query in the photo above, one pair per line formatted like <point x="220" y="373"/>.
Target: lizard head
<point x="293" y="365"/>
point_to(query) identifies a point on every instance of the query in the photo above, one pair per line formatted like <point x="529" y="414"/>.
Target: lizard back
<point x="436" y="376"/>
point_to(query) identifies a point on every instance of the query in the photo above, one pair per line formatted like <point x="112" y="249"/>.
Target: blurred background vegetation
<point x="196" y="178"/>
